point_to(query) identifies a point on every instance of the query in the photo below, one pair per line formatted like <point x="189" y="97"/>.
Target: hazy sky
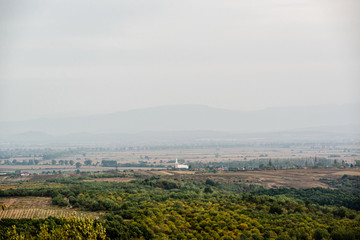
<point x="63" y="58"/>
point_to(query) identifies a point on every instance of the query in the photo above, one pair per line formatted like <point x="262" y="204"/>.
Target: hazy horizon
<point x="195" y="118"/>
<point x="66" y="58"/>
<point x="80" y="115"/>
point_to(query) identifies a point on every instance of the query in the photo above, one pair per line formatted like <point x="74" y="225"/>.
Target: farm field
<point x="38" y="207"/>
<point x="154" y="158"/>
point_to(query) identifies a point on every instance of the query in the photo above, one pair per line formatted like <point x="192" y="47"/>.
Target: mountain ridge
<point x="191" y="118"/>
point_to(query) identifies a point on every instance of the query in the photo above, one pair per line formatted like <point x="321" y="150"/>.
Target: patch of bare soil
<point x="164" y="173"/>
<point x="182" y="172"/>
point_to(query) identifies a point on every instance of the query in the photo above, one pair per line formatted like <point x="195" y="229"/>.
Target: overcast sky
<point x="67" y="58"/>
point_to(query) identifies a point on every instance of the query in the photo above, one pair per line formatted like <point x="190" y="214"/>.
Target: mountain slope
<point x="192" y="118"/>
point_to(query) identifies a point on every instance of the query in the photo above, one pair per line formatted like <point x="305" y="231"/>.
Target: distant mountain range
<point x="187" y="122"/>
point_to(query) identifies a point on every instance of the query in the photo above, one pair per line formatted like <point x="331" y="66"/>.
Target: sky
<point x="64" y="58"/>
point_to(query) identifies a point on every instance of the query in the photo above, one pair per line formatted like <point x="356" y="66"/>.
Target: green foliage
<point x="3" y="207"/>
<point x="208" y="190"/>
<point x="321" y="196"/>
<point x="210" y="182"/>
<point x="88" y="162"/>
<point x="109" y="163"/>
<point x="12" y="234"/>
<point x="275" y="208"/>
<point x="73" y="228"/>
<point x="321" y="234"/>
<point x="156" y="208"/>
<point x="59" y="200"/>
<point x="78" y="165"/>
<point x="264" y="163"/>
<point x="345" y="182"/>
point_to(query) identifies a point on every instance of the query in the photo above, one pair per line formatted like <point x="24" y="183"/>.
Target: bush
<point x="275" y="208"/>
<point x="59" y="200"/>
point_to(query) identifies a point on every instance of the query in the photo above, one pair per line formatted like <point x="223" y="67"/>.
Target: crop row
<point x="43" y="213"/>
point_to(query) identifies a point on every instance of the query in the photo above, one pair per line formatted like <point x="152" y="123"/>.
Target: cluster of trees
<point x="53" y="154"/>
<point x="274" y="163"/>
<point x="109" y="163"/>
<point x="62" y="162"/>
<point x="69" y="162"/>
<point x="23" y="162"/>
<point x="232" y="217"/>
<point x="52" y="229"/>
<point x="345" y="182"/>
<point x="156" y="208"/>
<point x="113" y="163"/>
<point x="21" y="152"/>
<point x="321" y="196"/>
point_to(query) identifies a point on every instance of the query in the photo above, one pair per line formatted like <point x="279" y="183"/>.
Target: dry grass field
<point x="116" y="180"/>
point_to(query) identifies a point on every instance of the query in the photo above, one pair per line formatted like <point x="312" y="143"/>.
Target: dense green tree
<point x="88" y="162"/>
<point x="78" y="165"/>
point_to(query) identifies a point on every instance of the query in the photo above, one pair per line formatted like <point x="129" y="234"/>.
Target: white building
<point x="180" y="166"/>
<point x="25" y="174"/>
